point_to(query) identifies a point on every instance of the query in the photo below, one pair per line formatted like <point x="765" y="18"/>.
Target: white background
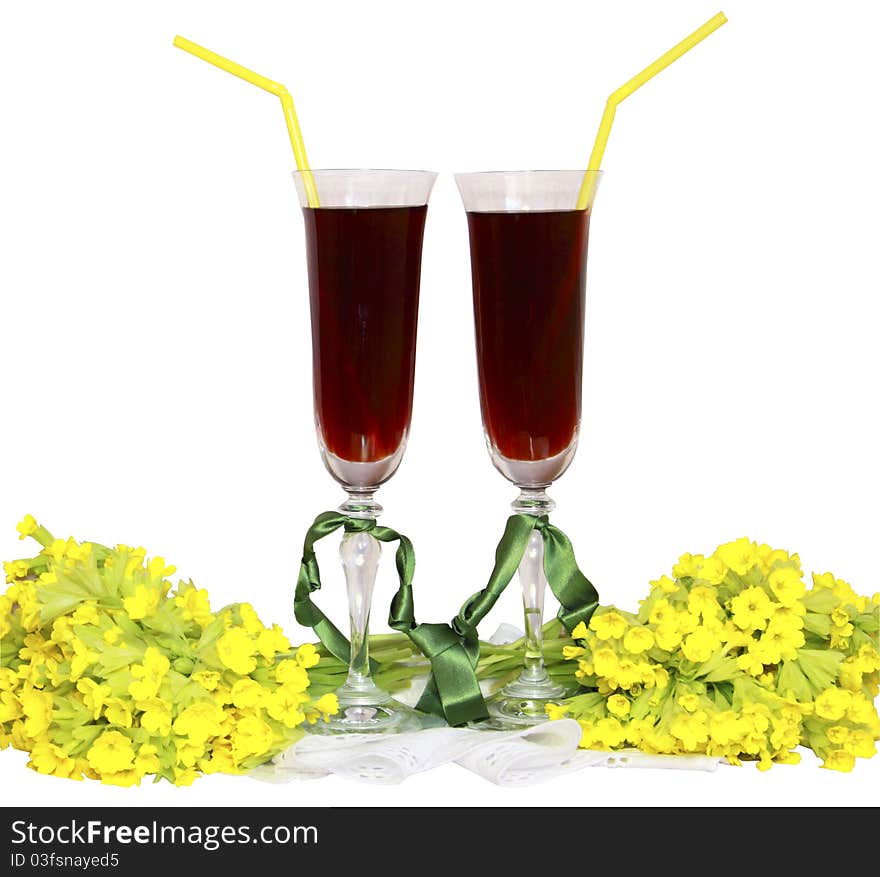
<point x="155" y="354"/>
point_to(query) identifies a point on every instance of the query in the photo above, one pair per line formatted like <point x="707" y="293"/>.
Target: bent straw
<point x="276" y="88"/>
<point x="625" y="90"/>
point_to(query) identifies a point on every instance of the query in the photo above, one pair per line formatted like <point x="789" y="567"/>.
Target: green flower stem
<point x="400" y="663"/>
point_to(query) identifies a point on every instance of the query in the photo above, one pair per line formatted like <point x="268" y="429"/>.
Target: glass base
<point x="522" y="703"/>
<point x="366" y="709"/>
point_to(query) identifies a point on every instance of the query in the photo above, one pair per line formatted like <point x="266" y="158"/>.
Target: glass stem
<point x="534" y="585"/>
<point x="360" y="554"/>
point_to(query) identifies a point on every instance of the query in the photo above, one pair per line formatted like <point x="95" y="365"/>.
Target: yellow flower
<point x="16" y="569"/>
<point x="86" y="613"/>
<point x="199" y="722"/>
<point x="823" y="580"/>
<point x="837" y="734"/>
<point x="306" y="655"/>
<point x="608" y="625"/>
<point x="27" y="526"/>
<point x="787" y="585"/>
<point x="94" y="695"/>
<point x="691" y="729"/>
<point x="783" y="639"/>
<point x="726" y="728"/>
<point x="751" y="608"/>
<point x="638" y="640"/>
<point x="148" y="676"/>
<point x="188" y="751"/>
<point x="833" y="703"/>
<point x="860" y="710"/>
<point x="118" y="712"/>
<point x="699" y="645"/>
<point x="184" y="776"/>
<point x="713" y="570"/>
<point x="158" y="569"/>
<point x="251" y="736"/>
<point x="284" y="704"/>
<point x="665" y="584"/>
<point x="156" y="716"/>
<point x="740" y="556"/>
<point x="327" y="705"/>
<point x="50" y="759"/>
<point x="112" y="636"/>
<point x="605" y="662"/>
<point x="142" y="603"/>
<point x="273" y="641"/>
<point x="580" y="631"/>
<point x="861" y="744"/>
<point x="750" y="662"/>
<point x="689" y="702"/>
<point x="290" y="672"/>
<point x="555" y="711"/>
<point x="208" y="679"/>
<point x="840" y="760"/>
<point x="662" y="612"/>
<point x="8" y="679"/>
<point x="36" y="706"/>
<point x="688" y="566"/>
<point x="609" y="733"/>
<point x="111" y="753"/>
<point x="686" y="622"/>
<point x="236" y="650"/>
<point x="147" y="760"/>
<point x="668" y="637"/>
<point x="246" y="693"/>
<point x="58" y="548"/>
<point x="249" y="618"/>
<point x="868" y="659"/>
<point x="703" y="601"/>
<point x="195" y="605"/>
<point x="10" y="707"/>
<point x="618" y="705"/>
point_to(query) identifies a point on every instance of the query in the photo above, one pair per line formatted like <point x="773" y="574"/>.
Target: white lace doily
<point x="506" y="758"/>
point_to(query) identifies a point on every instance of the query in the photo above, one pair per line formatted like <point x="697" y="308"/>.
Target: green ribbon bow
<point x="452" y="691"/>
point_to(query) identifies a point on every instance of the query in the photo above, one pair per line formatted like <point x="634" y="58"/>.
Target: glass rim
<point x="365" y="170"/>
<point x="532" y="172"/>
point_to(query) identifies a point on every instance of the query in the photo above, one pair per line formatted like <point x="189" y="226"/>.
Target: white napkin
<point x="507" y="758"/>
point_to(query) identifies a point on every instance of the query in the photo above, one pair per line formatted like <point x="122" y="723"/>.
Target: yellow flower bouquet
<point x="105" y="672"/>
<point x="733" y="656"/>
<point x="108" y="671"/>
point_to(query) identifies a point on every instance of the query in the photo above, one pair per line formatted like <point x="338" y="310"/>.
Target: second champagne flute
<point x="528" y="242"/>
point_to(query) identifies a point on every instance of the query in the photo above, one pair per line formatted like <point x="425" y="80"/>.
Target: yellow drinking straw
<point x="276" y="88"/>
<point x="625" y="90"/>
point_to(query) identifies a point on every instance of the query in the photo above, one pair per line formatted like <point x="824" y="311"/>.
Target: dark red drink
<point x="364" y="266"/>
<point x="529" y="276"/>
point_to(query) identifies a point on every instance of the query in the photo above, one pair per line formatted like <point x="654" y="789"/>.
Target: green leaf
<point x="820" y="600"/>
<point x="791" y="682"/>
<point x="719" y="668"/>
<point x="61" y="597"/>
<point x="114" y="658"/>
<point x="211" y="634"/>
<point x="166" y="620"/>
<point x="820" y="666"/>
<point x="818" y="624"/>
<point x="641" y="706"/>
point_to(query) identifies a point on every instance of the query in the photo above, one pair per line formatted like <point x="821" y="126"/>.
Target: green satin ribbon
<point x="452" y="691"/>
<point x="577" y="597"/>
<point x="452" y="669"/>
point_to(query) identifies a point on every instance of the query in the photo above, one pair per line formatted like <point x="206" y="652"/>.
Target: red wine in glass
<point x="364" y="267"/>
<point x="529" y="276"/>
